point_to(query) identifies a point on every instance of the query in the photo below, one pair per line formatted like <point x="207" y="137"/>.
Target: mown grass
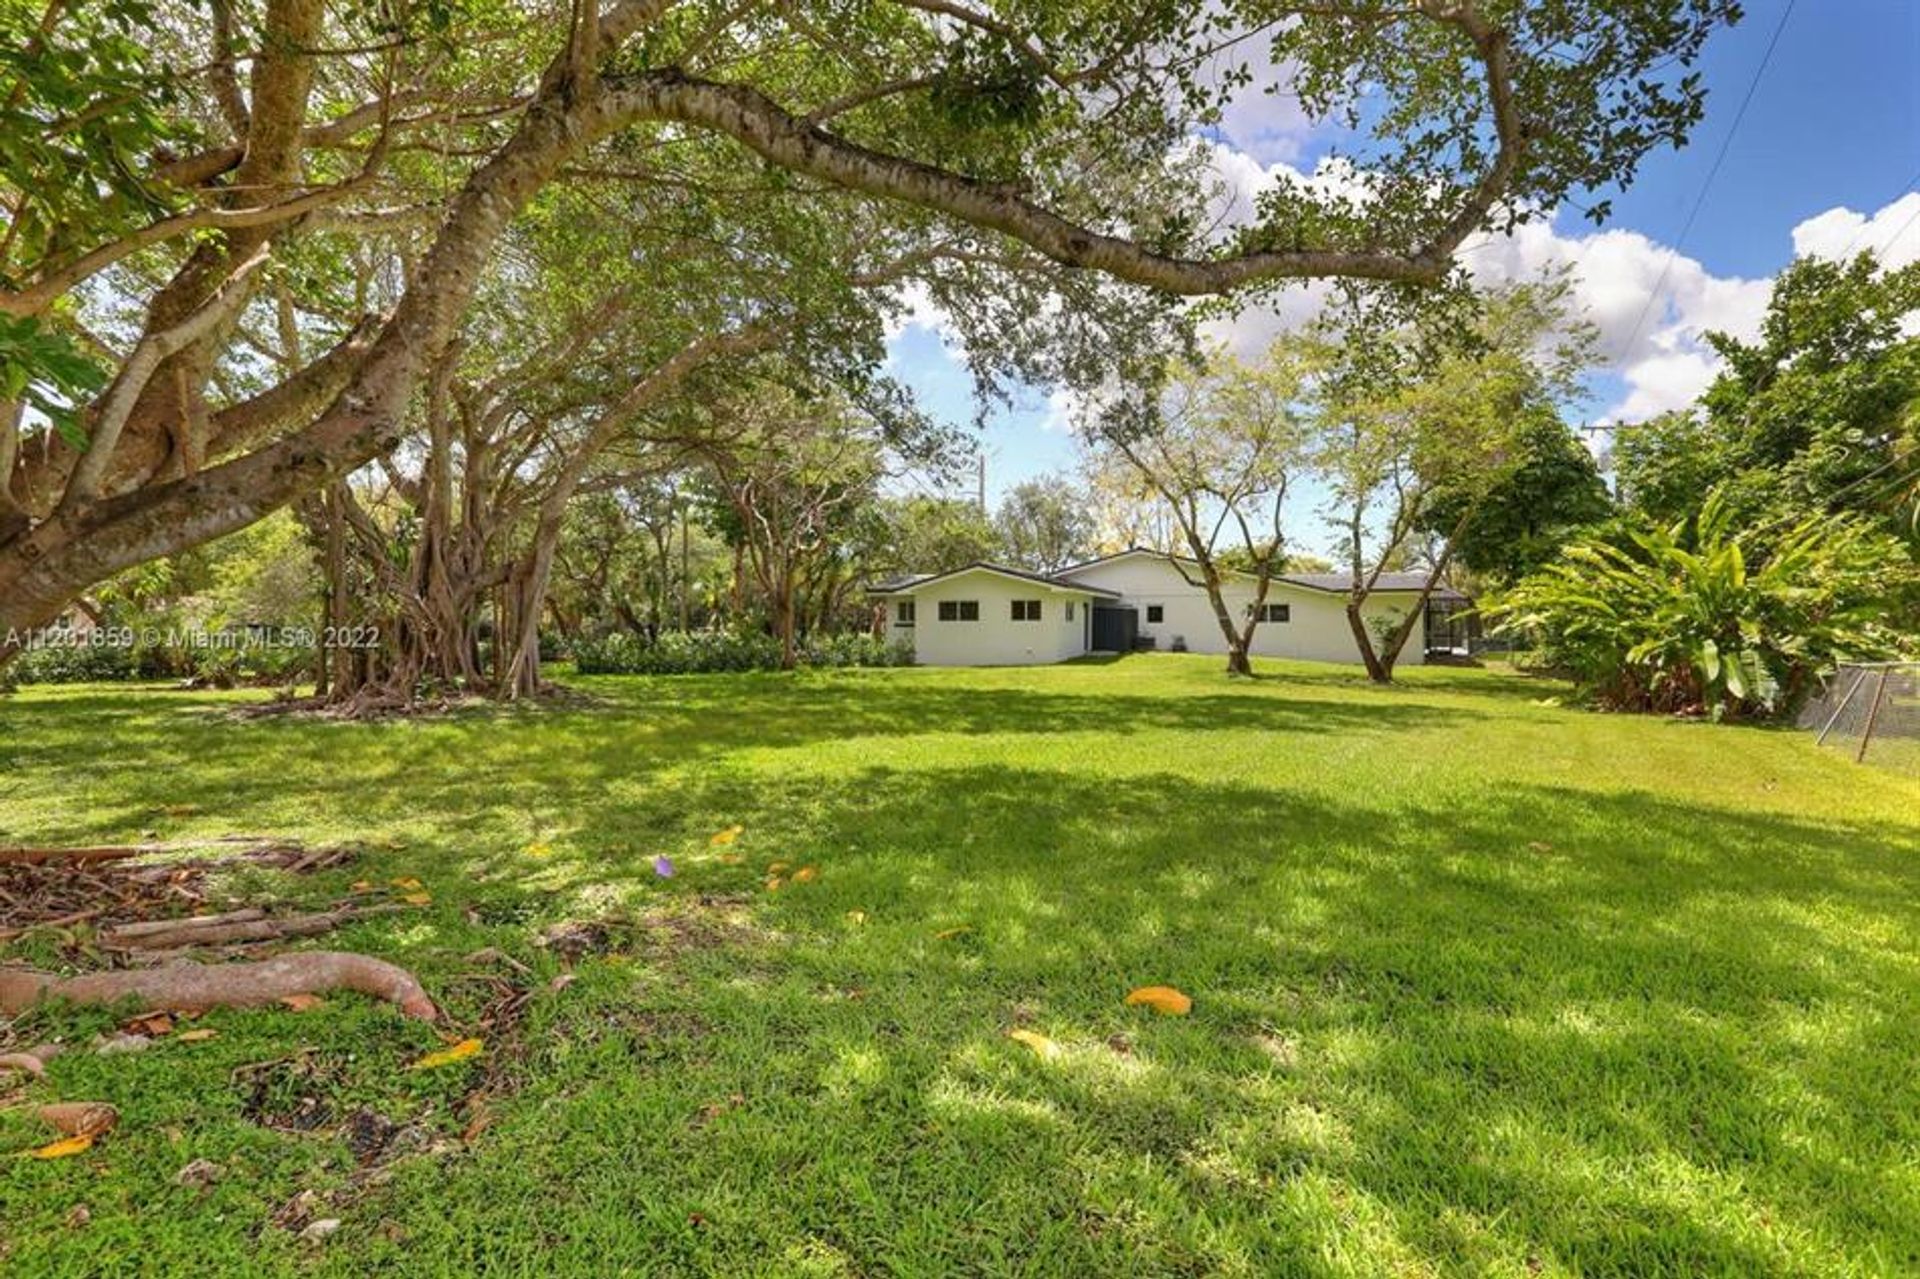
<point x="1482" y="985"/>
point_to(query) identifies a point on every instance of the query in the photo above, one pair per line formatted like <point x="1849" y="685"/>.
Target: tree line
<point x="426" y="272"/>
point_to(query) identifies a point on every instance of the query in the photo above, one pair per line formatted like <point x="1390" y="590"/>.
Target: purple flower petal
<point x="663" y="866"/>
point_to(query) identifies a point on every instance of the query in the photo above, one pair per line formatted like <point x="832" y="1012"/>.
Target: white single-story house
<point x="992" y="615"/>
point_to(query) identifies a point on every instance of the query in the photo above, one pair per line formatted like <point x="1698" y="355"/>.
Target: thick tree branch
<point x="763" y="126"/>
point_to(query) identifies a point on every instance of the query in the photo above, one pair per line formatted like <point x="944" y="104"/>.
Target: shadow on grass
<point x="185" y="752"/>
<point x="1606" y="1033"/>
<point x="1459" y="1028"/>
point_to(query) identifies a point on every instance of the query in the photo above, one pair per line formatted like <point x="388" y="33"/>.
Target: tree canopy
<point x="240" y="237"/>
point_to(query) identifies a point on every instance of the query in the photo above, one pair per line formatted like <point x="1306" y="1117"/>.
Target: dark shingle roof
<point x="1338" y="583"/>
<point x="921" y="579"/>
<point x="1342" y="582"/>
<point x="887" y="585"/>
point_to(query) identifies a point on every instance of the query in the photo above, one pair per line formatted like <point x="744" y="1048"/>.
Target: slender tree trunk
<point x="783" y="617"/>
<point x="1377" y="671"/>
<point x="1238" y="641"/>
<point x="686" y="577"/>
<point x="336" y="656"/>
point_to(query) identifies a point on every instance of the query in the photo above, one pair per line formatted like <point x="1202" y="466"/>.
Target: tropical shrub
<point x="58" y="662"/>
<point x="1680" y="619"/>
<point x="702" y="652"/>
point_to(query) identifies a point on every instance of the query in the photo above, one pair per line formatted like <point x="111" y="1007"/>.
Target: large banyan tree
<point x="241" y="237"/>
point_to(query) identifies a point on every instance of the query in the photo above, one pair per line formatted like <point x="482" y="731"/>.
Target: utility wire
<point x="1713" y="171"/>
<point x="1906" y="187"/>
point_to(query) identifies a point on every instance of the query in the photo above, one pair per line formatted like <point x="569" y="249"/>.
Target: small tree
<point x="1430" y="417"/>
<point x="1219" y="443"/>
<point x="1538" y="503"/>
<point x="930" y="535"/>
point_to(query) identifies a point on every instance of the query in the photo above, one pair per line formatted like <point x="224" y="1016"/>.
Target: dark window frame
<point x="959" y="610"/>
<point x="903" y="613"/>
<point x="1026" y="610"/>
<point x="1156" y="614"/>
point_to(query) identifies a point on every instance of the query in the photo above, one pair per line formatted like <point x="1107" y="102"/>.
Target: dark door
<point x="1114" y="627"/>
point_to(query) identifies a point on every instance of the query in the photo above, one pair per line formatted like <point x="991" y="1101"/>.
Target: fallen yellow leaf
<point x="1043" y="1048"/>
<point x="303" y="1003"/>
<point x="948" y="934"/>
<point x="539" y="848"/>
<point x="68" y="1146"/>
<point x="447" y="1056"/>
<point x="360" y="886"/>
<point x="418" y="899"/>
<point x="806" y="874"/>
<point x="856" y="917"/>
<point x="409" y="883"/>
<point x="778" y="868"/>
<point x="774" y="883"/>
<point x="726" y="836"/>
<point x="196" y="1036"/>
<point x="1162" y="999"/>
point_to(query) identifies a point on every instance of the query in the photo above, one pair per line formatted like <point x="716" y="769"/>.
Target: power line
<point x="1866" y="220"/>
<point x="1881" y="252"/>
<point x="1713" y="171"/>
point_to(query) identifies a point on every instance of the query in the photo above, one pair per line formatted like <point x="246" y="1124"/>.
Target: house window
<point x="1156" y="613"/>
<point x="1276" y="612"/>
<point x="1026" y="610"/>
<point x="1069" y="610"/>
<point x="959" y="610"/>
<point x="903" y="613"/>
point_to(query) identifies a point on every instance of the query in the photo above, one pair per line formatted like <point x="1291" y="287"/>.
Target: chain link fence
<point x="1871" y="710"/>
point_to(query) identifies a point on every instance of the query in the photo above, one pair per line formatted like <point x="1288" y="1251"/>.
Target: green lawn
<point x="1482" y="985"/>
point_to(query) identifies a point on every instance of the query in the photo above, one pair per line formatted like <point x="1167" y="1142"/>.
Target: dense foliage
<point x="703" y="652"/>
<point x="253" y="250"/>
<point x="1767" y="532"/>
<point x="1687" y="619"/>
<point x="1818" y="414"/>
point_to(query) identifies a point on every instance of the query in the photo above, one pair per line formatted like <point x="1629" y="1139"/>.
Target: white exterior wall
<point x="996" y="639"/>
<point x="1318" y="630"/>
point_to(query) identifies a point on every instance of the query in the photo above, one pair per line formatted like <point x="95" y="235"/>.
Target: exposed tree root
<point x="23" y="856"/>
<point x="201" y="986"/>
<point x="132" y="934"/>
<point x="25" y="1063"/>
<point x="251" y="925"/>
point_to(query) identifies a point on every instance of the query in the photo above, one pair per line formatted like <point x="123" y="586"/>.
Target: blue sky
<point x="1825" y="158"/>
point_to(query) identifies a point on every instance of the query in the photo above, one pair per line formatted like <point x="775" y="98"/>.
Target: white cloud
<point x="1893" y="233"/>
<point x="919" y="308"/>
<point x="1064" y="409"/>
<point x="1264" y="119"/>
<point x="1653" y="307"/>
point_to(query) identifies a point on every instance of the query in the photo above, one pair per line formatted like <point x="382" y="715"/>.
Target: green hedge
<point x="700" y="652"/>
<point x="73" y="664"/>
<point x="79" y="662"/>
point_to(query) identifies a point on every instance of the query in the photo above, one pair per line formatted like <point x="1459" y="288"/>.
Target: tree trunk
<point x="1239" y="641"/>
<point x="1377" y="671"/>
<point x="686" y="579"/>
<point x="42" y="570"/>
<point x="783" y="619"/>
